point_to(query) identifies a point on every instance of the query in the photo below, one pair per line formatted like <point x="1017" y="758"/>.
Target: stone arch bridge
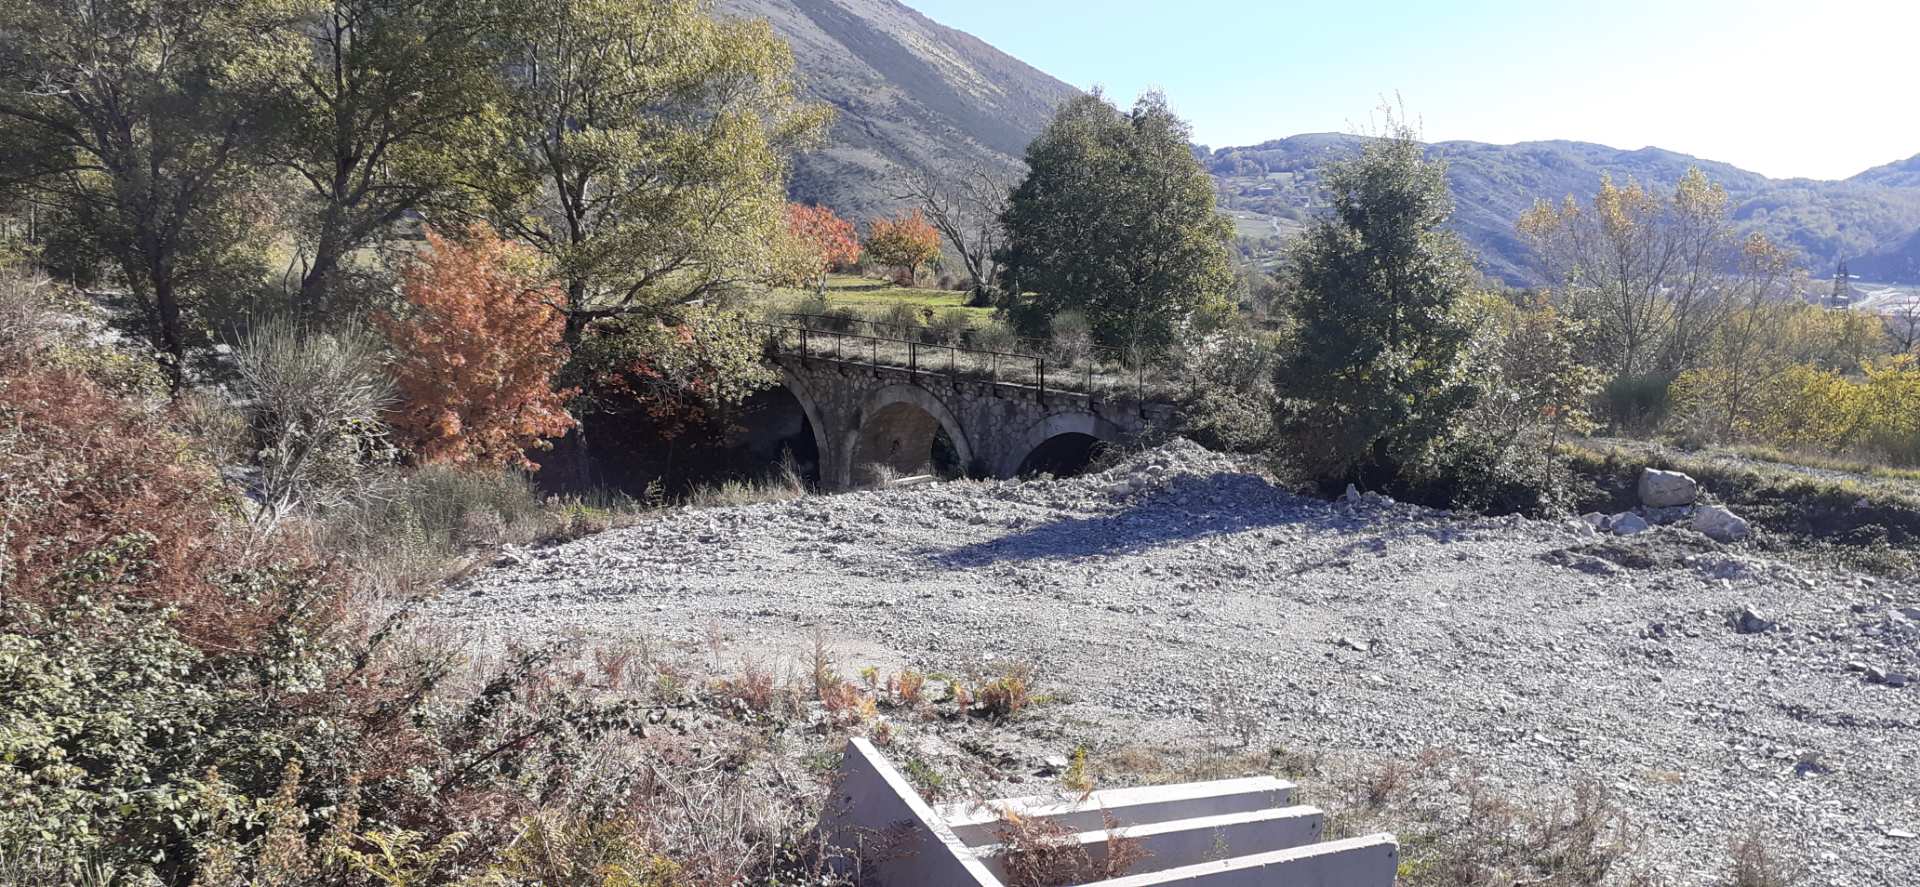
<point x="997" y="415"/>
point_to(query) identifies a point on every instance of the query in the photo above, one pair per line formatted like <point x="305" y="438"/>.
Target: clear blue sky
<point x="1816" y="88"/>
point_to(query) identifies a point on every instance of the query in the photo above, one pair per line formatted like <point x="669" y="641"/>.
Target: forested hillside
<point x="1870" y="220"/>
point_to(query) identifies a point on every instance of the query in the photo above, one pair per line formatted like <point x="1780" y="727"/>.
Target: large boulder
<point x="1721" y="525"/>
<point x="1667" y="489"/>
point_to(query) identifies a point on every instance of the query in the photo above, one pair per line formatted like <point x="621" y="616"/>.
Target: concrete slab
<point x="977" y="823"/>
<point x="881" y="833"/>
<point x="1185" y="842"/>
<point x="1372" y="861"/>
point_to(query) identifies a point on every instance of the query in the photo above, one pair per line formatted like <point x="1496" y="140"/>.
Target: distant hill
<point x="910" y="93"/>
<point x="914" y="94"/>
<point x="1872" y="220"/>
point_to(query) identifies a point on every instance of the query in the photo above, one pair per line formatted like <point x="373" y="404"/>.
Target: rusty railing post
<point x="1040" y="372"/>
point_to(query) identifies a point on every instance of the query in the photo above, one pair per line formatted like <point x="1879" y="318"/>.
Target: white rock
<point x="1665" y="489"/>
<point x="1626" y="523"/>
<point x="1720" y="524"/>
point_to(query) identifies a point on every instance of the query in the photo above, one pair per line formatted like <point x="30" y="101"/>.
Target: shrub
<point x="995" y="336"/>
<point x="901" y="320"/>
<point x="1072" y="338"/>
<point x="311" y="401"/>
<point x="1759" y="862"/>
<point x="949" y="327"/>
<point x="477" y="349"/>
<point x="24" y="315"/>
<point x="1229" y="402"/>
<point x="84" y="469"/>
<point x="1636" y="404"/>
<point x="1809" y="409"/>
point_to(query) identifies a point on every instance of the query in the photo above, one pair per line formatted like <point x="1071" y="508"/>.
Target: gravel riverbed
<point x="1175" y="593"/>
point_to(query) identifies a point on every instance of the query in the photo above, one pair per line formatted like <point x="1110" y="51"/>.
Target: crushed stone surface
<point x="1176" y="597"/>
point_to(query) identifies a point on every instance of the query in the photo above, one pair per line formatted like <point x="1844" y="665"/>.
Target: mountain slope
<point x="1870" y="220"/>
<point x="910" y="93"/>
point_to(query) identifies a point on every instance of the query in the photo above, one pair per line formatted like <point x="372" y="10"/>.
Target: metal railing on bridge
<point x="1097" y="373"/>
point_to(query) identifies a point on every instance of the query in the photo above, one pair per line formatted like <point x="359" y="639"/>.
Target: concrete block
<point x="882" y="833"/>
<point x="1372" y="861"/>
<point x="1189" y="841"/>
<point x="976" y="823"/>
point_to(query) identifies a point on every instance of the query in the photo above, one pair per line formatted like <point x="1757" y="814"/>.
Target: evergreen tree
<point x="1375" y="378"/>
<point x="1116" y="220"/>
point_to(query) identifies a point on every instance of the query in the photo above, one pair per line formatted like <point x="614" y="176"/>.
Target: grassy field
<point x="870" y="296"/>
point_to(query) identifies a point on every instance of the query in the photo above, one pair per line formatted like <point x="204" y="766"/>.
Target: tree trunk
<point x="316" y="286"/>
<point x="166" y="303"/>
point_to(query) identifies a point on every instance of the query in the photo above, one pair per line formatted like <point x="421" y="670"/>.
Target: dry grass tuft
<point x="1756" y="863"/>
<point x="1042" y="853"/>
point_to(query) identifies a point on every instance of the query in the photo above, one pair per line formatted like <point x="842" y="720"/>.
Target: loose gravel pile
<point x="1177" y="598"/>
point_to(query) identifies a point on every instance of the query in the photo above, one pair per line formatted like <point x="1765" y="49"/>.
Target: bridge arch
<point x="896" y="427"/>
<point x="1054" y="427"/>
<point x="810" y="405"/>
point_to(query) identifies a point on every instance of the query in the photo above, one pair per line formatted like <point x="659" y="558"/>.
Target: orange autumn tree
<point x="821" y="242"/>
<point x="476" y="351"/>
<point x="906" y="242"/>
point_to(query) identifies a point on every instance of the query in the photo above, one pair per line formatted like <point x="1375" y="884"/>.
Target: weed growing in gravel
<point x="926" y="780"/>
<point x="1006" y="695"/>
<point x="909" y="686"/>
<point x="1455" y="829"/>
<point x="1758" y="863"/>
<point x="1076" y="778"/>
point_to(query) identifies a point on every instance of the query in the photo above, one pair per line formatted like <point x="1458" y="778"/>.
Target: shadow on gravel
<point x="1188" y="508"/>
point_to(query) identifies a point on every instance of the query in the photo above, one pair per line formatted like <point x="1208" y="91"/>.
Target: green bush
<point x="901" y="320"/>
<point x="995" y="336"/>
<point x="1229" y="402"/>
<point x="117" y="724"/>
<point x="1636" y="404"/>
<point x="950" y="326"/>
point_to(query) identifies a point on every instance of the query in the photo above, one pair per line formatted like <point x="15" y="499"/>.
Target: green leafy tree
<point x="1116" y="219"/>
<point x="654" y="141"/>
<point x="122" y="113"/>
<point x="1375" y="379"/>
<point x="380" y="108"/>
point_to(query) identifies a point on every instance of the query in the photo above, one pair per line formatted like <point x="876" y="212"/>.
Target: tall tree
<point x="1116" y="219"/>
<point x="477" y="348"/>
<point x="818" y="241"/>
<point x="1375" y="379"/>
<point x="1652" y="275"/>
<point x="121" y="111"/>
<point x="384" y="107"/>
<point x="966" y="206"/>
<point x="654" y="141"/>
<point x="906" y="242"/>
